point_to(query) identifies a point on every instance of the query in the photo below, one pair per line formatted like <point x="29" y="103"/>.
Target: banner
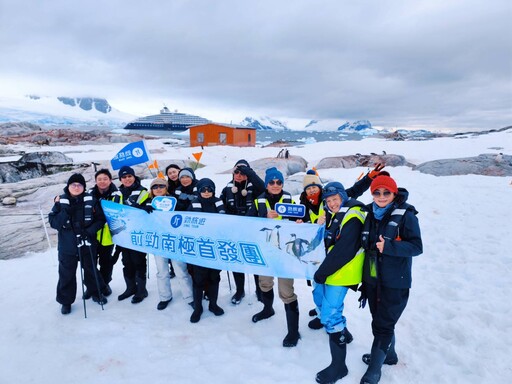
<point x="254" y="245"/>
<point x="132" y="154"/>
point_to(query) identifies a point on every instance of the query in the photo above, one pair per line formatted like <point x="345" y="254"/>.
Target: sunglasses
<point x="126" y="176"/>
<point x="330" y="190"/>
<point x="378" y="193"/>
<point x="275" y="182"/>
<point x="158" y="186"/>
<point x="237" y="172"/>
<point x="206" y="190"/>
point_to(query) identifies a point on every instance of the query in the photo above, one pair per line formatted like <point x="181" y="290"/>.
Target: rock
<point x="484" y="164"/>
<point x="289" y="166"/>
<point x="9" y="200"/>
<point x="358" y="160"/>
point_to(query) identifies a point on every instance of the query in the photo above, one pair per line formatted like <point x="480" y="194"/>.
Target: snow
<point x="457" y="327"/>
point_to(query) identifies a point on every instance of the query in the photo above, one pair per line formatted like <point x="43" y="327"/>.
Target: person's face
<point x="382" y="197"/>
<point x="334" y="203"/>
<point x="103" y="182"/>
<point x="185" y="181"/>
<point x="238" y="177"/>
<point x="75" y="189"/>
<point x="127" y="180"/>
<point x="206" y="192"/>
<point x="312" y="190"/>
<point x="275" y="187"/>
<point x="159" y="190"/>
<point x="172" y="174"/>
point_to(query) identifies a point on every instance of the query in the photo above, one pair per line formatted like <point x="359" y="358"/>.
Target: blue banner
<point x="253" y="245"/>
<point x="132" y="154"/>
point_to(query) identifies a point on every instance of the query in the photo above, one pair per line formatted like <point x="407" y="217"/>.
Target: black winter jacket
<point x="403" y="241"/>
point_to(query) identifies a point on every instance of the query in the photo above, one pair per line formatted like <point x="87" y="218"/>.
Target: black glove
<point x="244" y="170"/>
<point x="148" y="208"/>
<point x="363" y="298"/>
<point x="319" y="279"/>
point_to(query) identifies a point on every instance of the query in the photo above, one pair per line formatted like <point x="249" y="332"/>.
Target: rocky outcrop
<point x="36" y="164"/>
<point x="358" y="160"/>
<point x="288" y="166"/>
<point x="485" y="164"/>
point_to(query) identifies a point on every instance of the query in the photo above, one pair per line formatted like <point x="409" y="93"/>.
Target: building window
<point x="200" y="137"/>
<point x="223" y="137"/>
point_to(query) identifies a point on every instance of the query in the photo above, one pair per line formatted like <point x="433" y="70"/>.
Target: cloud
<point x="432" y="64"/>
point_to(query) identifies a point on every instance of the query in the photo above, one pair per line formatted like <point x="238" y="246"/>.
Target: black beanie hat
<point x="76" y="178"/>
<point x="206" y="182"/>
<point x="126" y="170"/>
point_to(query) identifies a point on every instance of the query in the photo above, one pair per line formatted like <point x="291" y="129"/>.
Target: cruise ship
<point x="167" y="121"/>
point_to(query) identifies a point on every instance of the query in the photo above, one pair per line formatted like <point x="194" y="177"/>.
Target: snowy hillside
<point x="47" y="110"/>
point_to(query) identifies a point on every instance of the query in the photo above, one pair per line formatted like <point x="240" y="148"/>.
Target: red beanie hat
<point x="384" y="182"/>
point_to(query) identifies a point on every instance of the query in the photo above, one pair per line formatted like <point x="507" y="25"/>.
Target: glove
<point x="244" y="170"/>
<point x="319" y="279"/>
<point x="375" y="172"/>
<point x="363" y="298"/>
<point x="148" y="208"/>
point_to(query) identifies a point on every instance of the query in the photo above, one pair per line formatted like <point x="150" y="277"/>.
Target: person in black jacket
<point x="172" y="172"/>
<point x="187" y="190"/>
<point x="134" y="262"/>
<point x="391" y="237"/>
<point x="77" y="217"/>
<point x="238" y="197"/>
<point x="105" y="190"/>
<point x="203" y="277"/>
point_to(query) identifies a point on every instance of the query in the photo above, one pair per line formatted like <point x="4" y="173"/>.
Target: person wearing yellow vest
<point x="105" y="190"/>
<point x="134" y="262"/>
<point x="264" y="206"/>
<point x="341" y="269"/>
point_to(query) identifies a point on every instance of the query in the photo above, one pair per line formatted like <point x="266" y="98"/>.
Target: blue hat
<point x="273" y="174"/>
<point x="335" y="188"/>
<point x="126" y="170"/>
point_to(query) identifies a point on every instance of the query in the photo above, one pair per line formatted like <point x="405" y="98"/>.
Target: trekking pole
<point x="45" y="229"/>
<point x="79" y="247"/>
<point x="229" y="281"/>
<point x="94" y="271"/>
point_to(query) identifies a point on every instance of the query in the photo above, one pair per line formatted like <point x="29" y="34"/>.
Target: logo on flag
<point x="132" y="154"/>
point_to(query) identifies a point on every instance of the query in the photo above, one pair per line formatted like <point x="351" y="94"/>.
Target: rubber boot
<point x="198" y="305"/>
<point x="337" y="369"/>
<point x="240" y="290"/>
<point x="292" y="321"/>
<point x="213" y="294"/>
<point x="267" y="298"/>
<point x="378" y="355"/>
<point x="391" y="356"/>
<point x="142" y="292"/>
<point x="258" y="289"/>
<point x="130" y="288"/>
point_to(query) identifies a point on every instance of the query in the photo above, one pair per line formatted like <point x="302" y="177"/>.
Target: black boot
<point x="378" y="355"/>
<point x="267" y="298"/>
<point x="337" y="369"/>
<point x="315" y="324"/>
<point x="391" y="356"/>
<point x="130" y="288"/>
<point x="213" y="294"/>
<point x="292" y="321"/>
<point x="240" y="290"/>
<point x="198" y="305"/>
<point x="141" y="292"/>
<point x="258" y="289"/>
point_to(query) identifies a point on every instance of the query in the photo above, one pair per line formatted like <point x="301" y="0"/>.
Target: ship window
<point x="200" y="137"/>
<point x="222" y="137"/>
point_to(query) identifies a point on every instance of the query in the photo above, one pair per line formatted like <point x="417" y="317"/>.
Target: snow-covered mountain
<point x="264" y="123"/>
<point x="45" y="110"/>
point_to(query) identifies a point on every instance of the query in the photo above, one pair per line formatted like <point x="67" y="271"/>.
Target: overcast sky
<point x="435" y="63"/>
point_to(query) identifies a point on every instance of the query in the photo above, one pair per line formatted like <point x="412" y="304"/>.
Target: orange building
<point x="222" y="134"/>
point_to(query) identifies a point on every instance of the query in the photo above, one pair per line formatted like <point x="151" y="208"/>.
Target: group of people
<point x="368" y="247"/>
